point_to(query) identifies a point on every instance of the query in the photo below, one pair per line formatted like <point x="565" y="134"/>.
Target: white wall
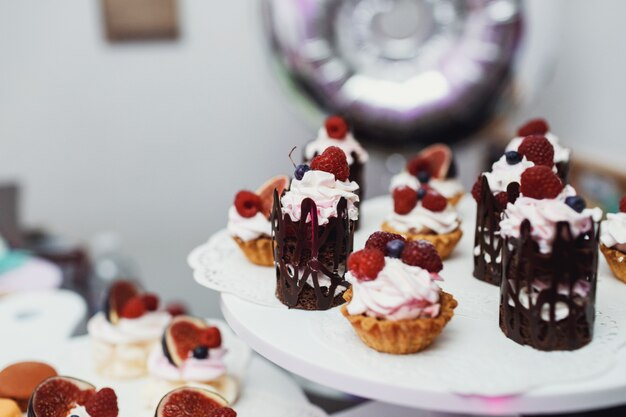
<point x="152" y="140"/>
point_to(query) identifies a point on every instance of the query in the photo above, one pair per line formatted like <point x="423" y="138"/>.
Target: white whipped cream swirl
<point x="325" y="191"/>
<point x="248" y="228"/>
<point x="191" y="370"/>
<point x="348" y="145"/>
<point x="614" y="230"/>
<point x="422" y="220"/>
<point x="543" y="216"/>
<point x="502" y="173"/>
<point x="561" y="154"/>
<point x="447" y="188"/>
<point x="400" y="292"/>
<point x="148" y="327"/>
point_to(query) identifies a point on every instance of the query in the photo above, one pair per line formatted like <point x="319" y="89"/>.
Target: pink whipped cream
<point x="400" y="292"/>
<point x="348" y="145"/>
<point x="614" y="231"/>
<point x="543" y="216"/>
<point x="192" y="370"/>
<point x="326" y="191"/>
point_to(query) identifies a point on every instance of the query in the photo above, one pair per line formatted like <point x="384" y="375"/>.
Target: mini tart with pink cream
<point x="613" y="241"/>
<point x="249" y="221"/>
<point x="424" y="215"/>
<point x="436" y="167"/>
<point x="125" y="331"/>
<point x="395" y="305"/>
<point x="191" y="354"/>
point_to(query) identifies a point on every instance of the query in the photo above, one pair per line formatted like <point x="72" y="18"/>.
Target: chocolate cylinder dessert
<point x="549" y="264"/>
<point x="487" y="240"/>
<point x="548" y="300"/>
<point x="313" y="227"/>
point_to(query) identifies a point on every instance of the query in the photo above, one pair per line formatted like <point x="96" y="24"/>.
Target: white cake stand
<point x="286" y="337"/>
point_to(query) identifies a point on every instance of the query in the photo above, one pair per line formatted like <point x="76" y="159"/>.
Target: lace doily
<point x="221" y="266"/>
<point x="473" y="357"/>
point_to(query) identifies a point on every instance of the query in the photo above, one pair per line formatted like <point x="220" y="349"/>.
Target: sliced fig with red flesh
<point x="119" y="294"/>
<point x="435" y="159"/>
<point x="183" y="335"/>
<point x="266" y="192"/>
<point x="58" y="395"/>
<point x="189" y="402"/>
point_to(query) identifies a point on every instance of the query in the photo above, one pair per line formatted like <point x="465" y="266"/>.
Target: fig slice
<point x="181" y="337"/>
<point x="119" y="294"/>
<point x="189" y="402"/>
<point x="58" y="395"/>
<point x="438" y="158"/>
<point x="266" y="192"/>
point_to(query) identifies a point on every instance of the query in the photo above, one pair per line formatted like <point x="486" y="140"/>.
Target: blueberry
<point x="300" y="170"/>
<point x="513" y="157"/>
<point x="201" y="352"/>
<point x="576" y="203"/>
<point x="423" y="177"/>
<point x="395" y="248"/>
<point x="421" y="193"/>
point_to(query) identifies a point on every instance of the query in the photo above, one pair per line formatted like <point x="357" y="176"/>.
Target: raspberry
<point x="150" y="301"/>
<point x="434" y="201"/>
<point x="537" y="149"/>
<point x="176" y="309"/>
<point x="503" y="199"/>
<point x="332" y="160"/>
<point x="134" y="308"/>
<point x="366" y="264"/>
<point x="379" y="240"/>
<point x="211" y="337"/>
<point x="540" y="182"/>
<point x="423" y="254"/>
<point x="404" y="200"/>
<point x="534" y="127"/>
<point x="247" y="203"/>
<point x="223" y="412"/>
<point x="103" y="404"/>
<point x="336" y="127"/>
<point x="622" y="204"/>
<point x="417" y="165"/>
<point x="477" y="188"/>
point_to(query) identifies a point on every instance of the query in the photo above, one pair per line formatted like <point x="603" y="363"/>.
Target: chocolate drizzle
<point x="487" y="258"/>
<point x="565" y="278"/>
<point x="304" y="250"/>
<point x="562" y="170"/>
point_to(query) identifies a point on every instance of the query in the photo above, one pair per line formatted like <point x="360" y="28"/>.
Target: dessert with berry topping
<point x="394" y="304"/>
<point x="61" y="396"/>
<point x="19" y="380"/>
<point x="493" y="190"/>
<point x="424" y="214"/>
<point x="126" y="330"/>
<point x="613" y="241"/>
<point x="249" y="221"/>
<point x="539" y="127"/>
<point x="191" y="353"/>
<point x="336" y="132"/>
<point x="193" y="402"/>
<point x="550" y="262"/>
<point x="313" y="228"/>
<point x="433" y="166"/>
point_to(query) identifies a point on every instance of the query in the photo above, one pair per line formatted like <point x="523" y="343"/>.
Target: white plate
<point x="471" y="367"/>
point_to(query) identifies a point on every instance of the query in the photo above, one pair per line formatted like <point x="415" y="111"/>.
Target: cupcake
<point x="313" y="229"/>
<point x="550" y="262"/>
<point x="436" y="167"/>
<point x="190" y="354"/>
<point x="395" y="305"/>
<point x="562" y="155"/>
<point x="613" y="241"/>
<point x="336" y="132"/>
<point x="124" y="333"/>
<point x="66" y="396"/>
<point x="249" y="223"/>
<point x="424" y="215"/>
<point x="190" y="401"/>
<point x="492" y="191"/>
